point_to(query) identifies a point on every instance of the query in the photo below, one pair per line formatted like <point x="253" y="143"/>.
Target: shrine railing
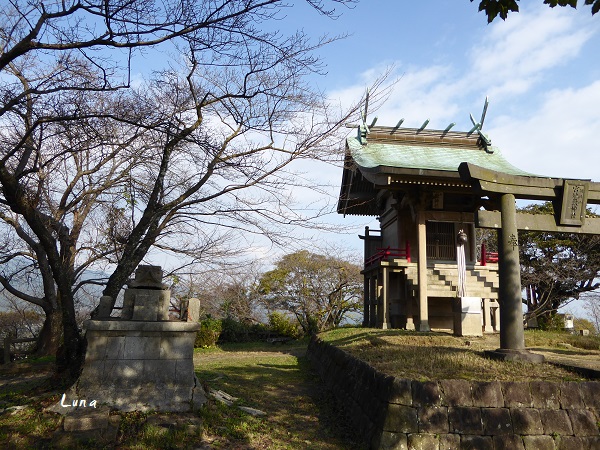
<point x="488" y="257"/>
<point x="389" y="253"/>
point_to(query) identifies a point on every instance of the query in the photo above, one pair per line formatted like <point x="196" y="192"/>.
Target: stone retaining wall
<point x="393" y="413"/>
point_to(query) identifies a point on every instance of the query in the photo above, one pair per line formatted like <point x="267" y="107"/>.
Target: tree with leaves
<point x="556" y="268"/>
<point x="501" y="8"/>
<point x="96" y="171"/>
<point x="319" y="291"/>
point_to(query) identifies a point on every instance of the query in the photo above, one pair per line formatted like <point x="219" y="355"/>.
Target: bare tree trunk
<point x="50" y="335"/>
<point x="71" y="353"/>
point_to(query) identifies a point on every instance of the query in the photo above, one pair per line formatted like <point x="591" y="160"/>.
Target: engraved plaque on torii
<point x="574" y="202"/>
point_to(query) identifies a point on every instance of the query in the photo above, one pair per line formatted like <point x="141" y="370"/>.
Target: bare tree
<point x="592" y="307"/>
<point x="95" y="173"/>
<point x="223" y="293"/>
<point x="18" y="318"/>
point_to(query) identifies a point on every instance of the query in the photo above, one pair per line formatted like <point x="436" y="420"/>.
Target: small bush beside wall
<point x="210" y="330"/>
<point x="281" y="324"/>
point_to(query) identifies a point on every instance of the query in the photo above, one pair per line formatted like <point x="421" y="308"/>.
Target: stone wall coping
<point x="136" y="325"/>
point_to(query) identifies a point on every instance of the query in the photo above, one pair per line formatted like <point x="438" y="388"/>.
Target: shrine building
<point x="408" y="178"/>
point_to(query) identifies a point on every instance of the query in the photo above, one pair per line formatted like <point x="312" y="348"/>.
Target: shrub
<point x="281" y="324"/>
<point x="551" y="322"/>
<point x="585" y="342"/>
<point x="208" y="335"/>
<point x="238" y="331"/>
<point x="584" y="324"/>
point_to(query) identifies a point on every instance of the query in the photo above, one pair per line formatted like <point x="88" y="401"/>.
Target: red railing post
<point x="408" y="250"/>
<point x="483" y="255"/>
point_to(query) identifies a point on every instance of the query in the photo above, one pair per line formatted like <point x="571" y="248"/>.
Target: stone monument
<point x="142" y="360"/>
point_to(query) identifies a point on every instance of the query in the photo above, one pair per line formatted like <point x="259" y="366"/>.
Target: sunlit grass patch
<point x="535" y="338"/>
<point x="431" y="356"/>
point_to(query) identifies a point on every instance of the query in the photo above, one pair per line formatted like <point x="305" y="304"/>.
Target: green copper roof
<point x="430" y="154"/>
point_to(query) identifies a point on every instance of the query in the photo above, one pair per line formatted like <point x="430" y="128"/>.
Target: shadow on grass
<point x="371" y="334"/>
<point x="30" y="387"/>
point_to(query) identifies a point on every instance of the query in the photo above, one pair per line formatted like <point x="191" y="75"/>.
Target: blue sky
<point x="540" y="69"/>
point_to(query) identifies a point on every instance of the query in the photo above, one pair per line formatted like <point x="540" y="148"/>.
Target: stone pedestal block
<point x="150" y="304"/>
<point x="468" y="320"/>
<point x="140" y="365"/>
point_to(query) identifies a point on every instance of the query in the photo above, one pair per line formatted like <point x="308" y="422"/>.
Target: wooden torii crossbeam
<point x="569" y="197"/>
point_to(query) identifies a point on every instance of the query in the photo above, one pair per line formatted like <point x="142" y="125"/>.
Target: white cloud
<point x="538" y="69"/>
<point x="508" y="61"/>
<point x="515" y="53"/>
<point x="417" y="94"/>
<point x="560" y="140"/>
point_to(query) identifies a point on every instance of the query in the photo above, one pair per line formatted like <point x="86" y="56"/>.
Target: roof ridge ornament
<point x="449" y="127"/>
<point x="477" y="126"/>
<point x="422" y="127"/>
<point x="363" y="128"/>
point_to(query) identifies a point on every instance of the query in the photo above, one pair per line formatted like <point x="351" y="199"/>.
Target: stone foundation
<point x="134" y="365"/>
<point x="141" y="361"/>
<point x="394" y="413"/>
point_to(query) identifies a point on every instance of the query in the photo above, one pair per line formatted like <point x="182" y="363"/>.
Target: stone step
<point x="86" y="419"/>
<point x="453" y="280"/>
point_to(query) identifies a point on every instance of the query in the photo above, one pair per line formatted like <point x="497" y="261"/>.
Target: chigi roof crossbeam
<point x="364" y="129"/>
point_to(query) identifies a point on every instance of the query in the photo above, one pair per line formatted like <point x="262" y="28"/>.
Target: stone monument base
<point x="140" y="366"/>
<point x="467" y="317"/>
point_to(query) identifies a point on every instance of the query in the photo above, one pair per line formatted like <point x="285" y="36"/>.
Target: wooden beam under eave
<point x="536" y="222"/>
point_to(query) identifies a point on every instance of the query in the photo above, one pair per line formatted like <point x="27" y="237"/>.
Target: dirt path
<point x="276" y="380"/>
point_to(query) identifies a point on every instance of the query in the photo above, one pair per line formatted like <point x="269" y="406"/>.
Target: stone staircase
<point x="442" y="281"/>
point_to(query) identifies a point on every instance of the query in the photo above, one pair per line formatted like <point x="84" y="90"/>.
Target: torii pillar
<point x="569" y="197"/>
<point x="512" y="337"/>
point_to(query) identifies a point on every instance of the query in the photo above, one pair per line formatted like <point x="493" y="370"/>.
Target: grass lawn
<point x="277" y="379"/>
<point x="273" y="378"/>
<point x="431" y="356"/>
